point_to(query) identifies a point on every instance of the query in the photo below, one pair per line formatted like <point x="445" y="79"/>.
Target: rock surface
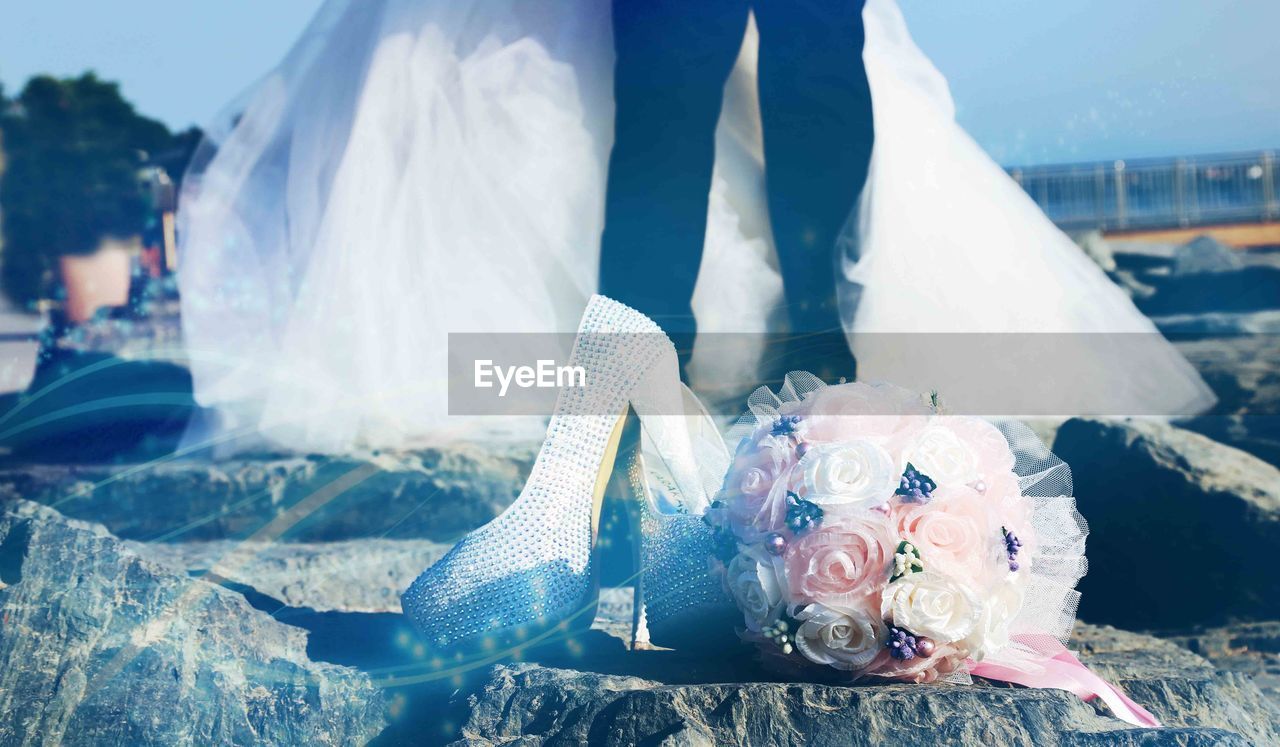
<point x="1221" y="323"/>
<point x="1248" y="289"/>
<point x="1205" y="254"/>
<point x="1243" y="370"/>
<point x="1200" y="276"/>
<point x="220" y="656"/>
<point x="431" y="494"/>
<point x="99" y="645"/>
<point x="1177" y="686"/>
<point x="675" y="702"/>
<point x="1180" y="526"/>
<point x="1129" y="252"/>
<point x="1250" y="648"/>
<point x="1098" y="249"/>
<point x="346" y="576"/>
<point x="1257" y="434"/>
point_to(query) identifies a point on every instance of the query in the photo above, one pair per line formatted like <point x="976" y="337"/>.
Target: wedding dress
<point x="415" y="168"/>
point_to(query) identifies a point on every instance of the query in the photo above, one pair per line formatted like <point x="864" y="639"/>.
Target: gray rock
<point x="1221" y="323"/>
<point x="1205" y="254"/>
<point x="1251" y="288"/>
<point x="347" y="576"/>
<point x="430" y="494"/>
<point x="1124" y="249"/>
<point x="534" y="704"/>
<point x="102" y="646"/>
<point x="1243" y="370"/>
<point x="1249" y="648"/>
<point x="1257" y="434"/>
<point x="1262" y="257"/>
<point x="1098" y="249"/>
<point x="1177" y="686"/>
<point x="1180" y="526"/>
<point x="1133" y="285"/>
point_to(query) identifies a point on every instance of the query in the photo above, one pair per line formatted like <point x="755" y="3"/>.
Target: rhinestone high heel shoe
<point x="530" y="569"/>
<point x="677" y="603"/>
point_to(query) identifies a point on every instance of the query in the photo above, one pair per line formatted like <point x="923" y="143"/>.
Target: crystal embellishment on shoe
<point x="678" y="602"/>
<point x="530" y="568"/>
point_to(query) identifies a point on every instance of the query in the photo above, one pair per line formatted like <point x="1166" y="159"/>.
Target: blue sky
<point x="1036" y="81"/>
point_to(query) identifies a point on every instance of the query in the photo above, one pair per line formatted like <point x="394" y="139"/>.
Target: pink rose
<point x="957" y="533"/>
<point x="753" y="477"/>
<point x="767" y="452"/>
<point x="986" y="442"/>
<point x="772" y="516"/>
<point x="842" y="561"/>
<point x="756" y="482"/>
<point x="999" y="487"/>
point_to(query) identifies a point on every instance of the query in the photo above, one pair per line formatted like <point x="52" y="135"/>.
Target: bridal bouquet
<point x="860" y="529"/>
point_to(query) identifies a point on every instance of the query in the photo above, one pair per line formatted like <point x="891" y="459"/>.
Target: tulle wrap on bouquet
<point x="862" y="529"/>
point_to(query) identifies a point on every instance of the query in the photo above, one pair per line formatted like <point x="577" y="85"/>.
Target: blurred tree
<point x="4" y="106"/>
<point x="182" y="146"/>
<point x="74" y="149"/>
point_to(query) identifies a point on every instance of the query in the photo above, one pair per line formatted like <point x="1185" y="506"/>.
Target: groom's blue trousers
<point x="673" y="58"/>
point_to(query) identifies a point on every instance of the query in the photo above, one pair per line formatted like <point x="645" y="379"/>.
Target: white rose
<point x="857" y="474"/>
<point x="998" y="613"/>
<point x="848" y="639"/>
<point x="940" y="454"/>
<point x="931" y="605"/>
<point x="757" y="582"/>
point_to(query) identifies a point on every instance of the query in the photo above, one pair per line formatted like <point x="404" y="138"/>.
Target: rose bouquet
<point x="860" y="529"/>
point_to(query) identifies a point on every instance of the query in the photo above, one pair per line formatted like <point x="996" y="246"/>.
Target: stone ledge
<point x="435" y="494"/>
<point x="100" y="645"/>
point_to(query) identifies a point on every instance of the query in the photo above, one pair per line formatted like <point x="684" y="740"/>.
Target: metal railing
<point x="1157" y="193"/>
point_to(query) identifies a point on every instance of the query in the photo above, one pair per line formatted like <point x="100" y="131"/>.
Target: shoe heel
<point x="633" y="490"/>
<point x="678" y="603"/>
<point x="678" y="463"/>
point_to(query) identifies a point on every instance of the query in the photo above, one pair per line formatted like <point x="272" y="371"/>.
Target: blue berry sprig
<point x="714" y="509"/>
<point x="1011" y="547"/>
<point x="785" y="425"/>
<point x="901" y="644"/>
<point x="905" y="646"/>
<point x="802" y="515"/>
<point x="915" y="485"/>
<point x="724" y="545"/>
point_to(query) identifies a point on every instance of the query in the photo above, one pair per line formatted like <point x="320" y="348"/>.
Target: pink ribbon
<point x="1061" y="670"/>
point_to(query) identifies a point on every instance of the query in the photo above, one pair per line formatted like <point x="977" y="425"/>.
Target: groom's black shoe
<point x="823" y="354"/>
<point x="816" y="343"/>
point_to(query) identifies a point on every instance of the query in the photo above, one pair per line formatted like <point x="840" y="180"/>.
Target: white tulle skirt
<point x="420" y="167"/>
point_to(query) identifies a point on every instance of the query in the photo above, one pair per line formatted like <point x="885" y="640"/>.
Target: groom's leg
<point x="673" y="57"/>
<point x="816" y="109"/>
